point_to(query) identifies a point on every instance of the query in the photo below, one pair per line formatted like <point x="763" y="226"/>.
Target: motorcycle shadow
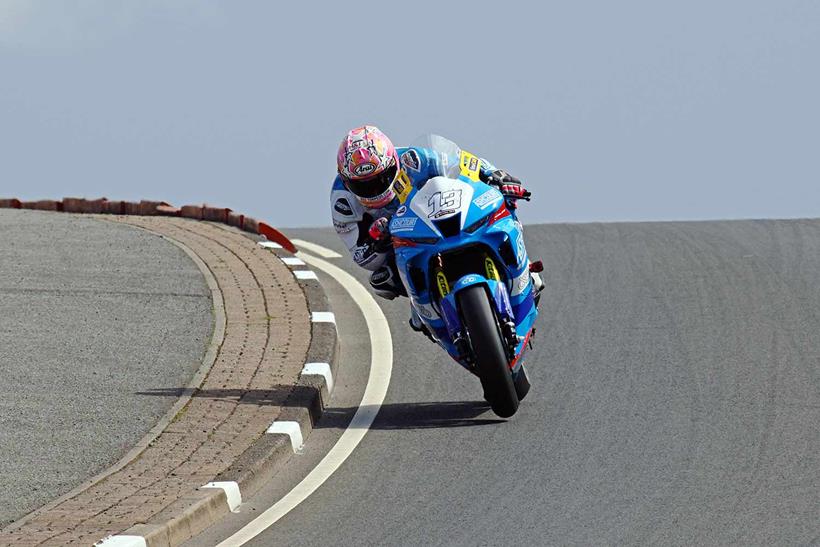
<point x="418" y="415"/>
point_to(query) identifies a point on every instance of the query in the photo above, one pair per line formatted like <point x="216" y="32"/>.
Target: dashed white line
<point x="318" y="249"/>
<point x="320" y="369"/>
<point x="292" y="430"/>
<point x="304" y="274"/>
<point x="293" y="261"/>
<point x="381" y="367"/>
<point x="232" y="494"/>
<point x="323" y="317"/>
<point x="122" y="541"/>
<point x="269" y="245"/>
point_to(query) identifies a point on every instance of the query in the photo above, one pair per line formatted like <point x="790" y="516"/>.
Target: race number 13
<point x="444" y="203"/>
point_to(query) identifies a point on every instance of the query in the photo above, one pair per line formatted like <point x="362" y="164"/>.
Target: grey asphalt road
<point x="675" y="400"/>
<point x="91" y="314"/>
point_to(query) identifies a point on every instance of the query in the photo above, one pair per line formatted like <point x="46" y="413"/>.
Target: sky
<point x="608" y="111"/>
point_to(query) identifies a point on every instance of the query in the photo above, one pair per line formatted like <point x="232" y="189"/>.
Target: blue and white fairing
<point x="456" y="217"/>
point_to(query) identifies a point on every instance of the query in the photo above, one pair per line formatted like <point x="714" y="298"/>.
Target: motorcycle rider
<point x="371" y="174"/>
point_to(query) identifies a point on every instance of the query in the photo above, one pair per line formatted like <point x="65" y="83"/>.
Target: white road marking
<point x="318" y="249"/>
<point x="381" y="366"/>
<point x="293" y="261"/>
<point x="269" y="245"/>
<point x="304" y="274"/>
<point x="320" y="369"/>
<point x="122" y="541"/>
<point x="292" y="430"/>
<point x="231" y="489"/>
<point x="323" y="317"/>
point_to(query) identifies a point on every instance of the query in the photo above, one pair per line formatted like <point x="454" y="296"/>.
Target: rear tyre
<point x="490" y="356"/>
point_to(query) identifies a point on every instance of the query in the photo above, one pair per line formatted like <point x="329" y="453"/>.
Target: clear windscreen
<point x="448" y="152"/>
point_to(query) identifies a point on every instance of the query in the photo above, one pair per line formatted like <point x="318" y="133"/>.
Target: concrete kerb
<point x="194" y="512"/>
<point x="307" y="401"/>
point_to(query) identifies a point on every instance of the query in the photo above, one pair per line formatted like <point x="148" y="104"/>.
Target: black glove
<point x="509" y="186"/>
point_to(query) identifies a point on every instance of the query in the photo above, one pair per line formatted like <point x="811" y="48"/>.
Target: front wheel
<point x="490" y="356"/>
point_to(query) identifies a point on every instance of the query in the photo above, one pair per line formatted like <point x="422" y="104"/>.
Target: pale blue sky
<point x="608" y="110"/>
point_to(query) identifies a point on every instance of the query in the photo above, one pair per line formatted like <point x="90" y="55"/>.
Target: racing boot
<point x="418" y="325"/>
<point x="386" y="283"/>
<point x="537" y="282"/>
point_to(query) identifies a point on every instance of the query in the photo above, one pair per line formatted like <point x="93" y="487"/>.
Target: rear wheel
<point x="490" y="356"/>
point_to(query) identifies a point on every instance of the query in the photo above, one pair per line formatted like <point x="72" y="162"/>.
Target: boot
<point x="537" y="286"/>
<point x="418" y="325"/>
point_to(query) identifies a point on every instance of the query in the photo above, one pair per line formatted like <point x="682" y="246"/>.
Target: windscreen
<point x="448" y="153"/>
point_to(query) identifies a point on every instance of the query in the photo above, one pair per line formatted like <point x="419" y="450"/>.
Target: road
<point x="675" y="400"/>
<point x="93" y="315"/>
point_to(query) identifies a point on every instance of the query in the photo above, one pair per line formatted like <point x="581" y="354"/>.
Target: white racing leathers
<point x="352" y="222"/>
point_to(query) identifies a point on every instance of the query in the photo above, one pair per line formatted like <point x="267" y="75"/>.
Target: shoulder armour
<point x="344" y="206"/>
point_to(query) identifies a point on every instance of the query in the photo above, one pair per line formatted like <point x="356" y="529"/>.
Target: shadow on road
<point x="420" y="415"/>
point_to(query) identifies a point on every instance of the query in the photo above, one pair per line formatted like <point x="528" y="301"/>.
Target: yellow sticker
<point x="470" y="166"/>
<point x="402" y="186"/>
<point x="443" y="286"/>
<point x="489" y="265"/>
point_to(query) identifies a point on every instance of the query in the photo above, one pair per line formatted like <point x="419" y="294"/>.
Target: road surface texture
<point x="675" y="400"/>
<point x="91" y="314"/>
<point x="261" y="336"/>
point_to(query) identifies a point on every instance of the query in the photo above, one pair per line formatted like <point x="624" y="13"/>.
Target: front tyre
<point x="490" y="357"/>
<point x="521" y="381"/>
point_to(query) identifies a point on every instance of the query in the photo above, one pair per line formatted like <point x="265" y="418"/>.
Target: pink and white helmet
<point x="368" y="165"/>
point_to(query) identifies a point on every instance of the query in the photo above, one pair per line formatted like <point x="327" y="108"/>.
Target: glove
<point x="379" y="232"/>
<point x="509" y="186"/>
<point x="379" y="229"/>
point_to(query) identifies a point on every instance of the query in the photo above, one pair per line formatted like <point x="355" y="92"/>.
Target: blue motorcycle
<point x="461" y="256"/>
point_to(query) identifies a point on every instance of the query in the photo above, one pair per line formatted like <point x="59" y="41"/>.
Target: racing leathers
<point x="353" y="221"/>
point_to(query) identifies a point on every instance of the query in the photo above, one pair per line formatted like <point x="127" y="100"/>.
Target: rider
<point x="364" y="197"/>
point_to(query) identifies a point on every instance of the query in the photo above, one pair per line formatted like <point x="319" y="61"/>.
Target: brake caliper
<point x="511" y="336"/>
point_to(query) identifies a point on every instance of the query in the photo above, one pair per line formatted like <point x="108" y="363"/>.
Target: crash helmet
<point x="368" y="166"/>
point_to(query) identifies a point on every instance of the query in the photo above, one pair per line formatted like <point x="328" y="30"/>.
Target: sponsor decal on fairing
<point x="486" y="199"/>
<point x="403" y="224"/>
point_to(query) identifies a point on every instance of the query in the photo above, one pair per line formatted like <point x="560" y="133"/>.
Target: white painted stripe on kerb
<point x="293" y="261"/>
<point x="323" y="317"/>
<point x="269" y="245"/>
<point x="320" y="369"/>
<point x="318" y="249"/>
<point x="381" y="367"/>
<point x="231" y="489"/>
<point x="305" y="274"/>
<point x="122" y="541"/>
<point x="292" y="430"/>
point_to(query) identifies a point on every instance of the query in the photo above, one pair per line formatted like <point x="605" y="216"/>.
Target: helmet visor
<point x="372" y="187"/>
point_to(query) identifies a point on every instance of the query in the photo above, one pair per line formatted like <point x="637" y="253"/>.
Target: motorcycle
<point x="460" y="254"/>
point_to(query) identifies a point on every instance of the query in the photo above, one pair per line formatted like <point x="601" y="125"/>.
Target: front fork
<point x="506" y="324"/>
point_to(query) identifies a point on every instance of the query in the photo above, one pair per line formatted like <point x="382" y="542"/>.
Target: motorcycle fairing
<point x="473" y="218"/>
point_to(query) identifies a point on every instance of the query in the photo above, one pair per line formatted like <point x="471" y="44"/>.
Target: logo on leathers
<point x="411" y="160"/>
<point x="342" y="206"/>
